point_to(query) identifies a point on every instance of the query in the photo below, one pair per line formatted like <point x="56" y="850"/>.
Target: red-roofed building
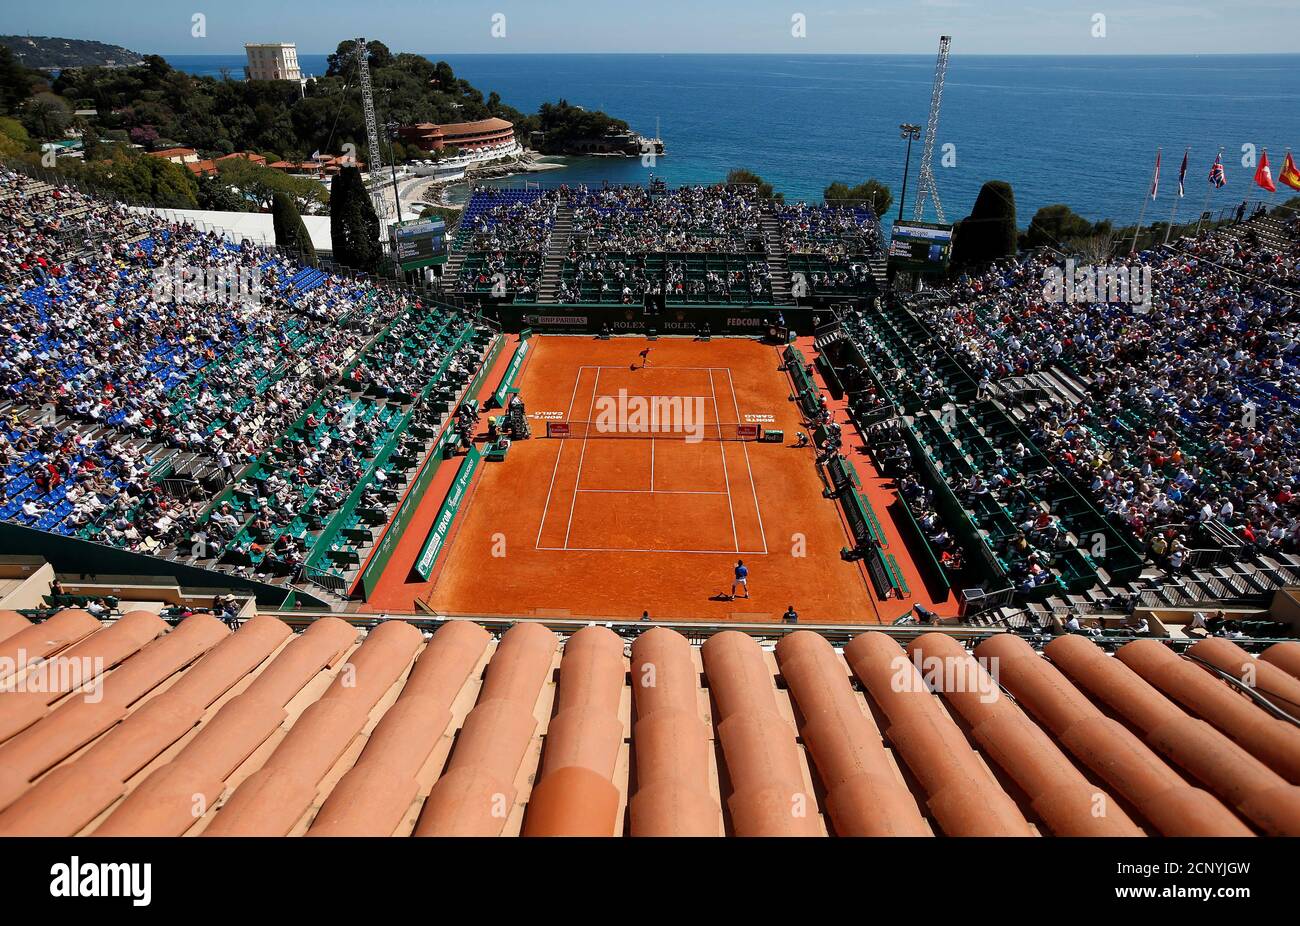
<point x="243" y="155"/>
<point x="177" y="155"/>
<point x="326" y="164"/>
<point x="467" y="136"/>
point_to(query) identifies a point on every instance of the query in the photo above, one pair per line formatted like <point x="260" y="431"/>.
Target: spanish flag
<point x="1290" y="176"/>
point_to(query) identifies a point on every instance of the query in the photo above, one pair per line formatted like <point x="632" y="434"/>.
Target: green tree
<point x="218" y="195"/>
<point x="872" y="193"/>
<point x="139" y="178"/>
<point x="450" y="217"/>
<point x="46" y="115"/>
<point x="1288" y="209"/>
<point x="741" y="175"/>
<point x="1055" y="225"/>
<point x="15" y="82"/>
<point x="354" y="227"/>
<point x="262" y="183"/>
<point x="989" y="232"/>
<point x="563" y="125"/>
<point x="92" y="148"/>
<point x="290" y="231"/>
<point x="343" y="61"/>
<point x="444" y="77"/>
<point x="13" y="137"/>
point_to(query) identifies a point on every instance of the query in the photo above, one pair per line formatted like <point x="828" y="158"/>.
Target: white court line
<point x="745" y="444"/>
<point x="567" y="416"/>
<point x="651" y="550"/>
<point x="652" y="465"/>
<point x="652" y="491"/>
<point x="577" y="480"/>
<point x="699" y="369"/>
<point x="651" y="395"/>
<point x="725" y="478"/>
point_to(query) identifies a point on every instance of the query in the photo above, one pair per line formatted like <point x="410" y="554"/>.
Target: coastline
<point x="576" y="169"/>
<point x="529" y="163"/>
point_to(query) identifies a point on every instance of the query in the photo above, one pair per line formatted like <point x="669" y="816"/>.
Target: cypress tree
<point x="989" y="232"/>
<point x="354" y="227"/>
<point x="290" y="230"/>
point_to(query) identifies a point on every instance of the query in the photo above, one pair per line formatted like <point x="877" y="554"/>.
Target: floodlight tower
<point x="382" y="207"/>
<point x="925" y="185"/>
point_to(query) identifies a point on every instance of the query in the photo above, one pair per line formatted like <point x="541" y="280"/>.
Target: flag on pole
<point x="1155" y="179"/>
<point x="1263" y="175"/>
<point x="1290" y="176"/>
<point x="1182" y="173"/>
<point x="1217" y="176"/>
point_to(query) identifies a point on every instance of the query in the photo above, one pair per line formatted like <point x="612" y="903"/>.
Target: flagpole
<point x="1181" y="173"/>
<point x="1208" y="190"/>
<point x="1137" y="229"/>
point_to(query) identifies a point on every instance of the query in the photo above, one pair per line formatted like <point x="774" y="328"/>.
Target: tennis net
<point x="713" y="431"/>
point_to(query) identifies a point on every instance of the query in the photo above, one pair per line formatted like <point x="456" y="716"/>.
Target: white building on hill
<point x="272" y="61"/>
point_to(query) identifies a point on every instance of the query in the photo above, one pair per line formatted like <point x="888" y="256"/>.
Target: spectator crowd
<point x="128" y="407"/>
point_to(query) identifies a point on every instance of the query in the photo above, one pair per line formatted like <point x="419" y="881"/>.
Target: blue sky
<point x="737" y="26"/>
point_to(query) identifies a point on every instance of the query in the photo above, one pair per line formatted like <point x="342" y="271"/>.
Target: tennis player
<point x="741" y="578"/>
<point x="645" y="358"/>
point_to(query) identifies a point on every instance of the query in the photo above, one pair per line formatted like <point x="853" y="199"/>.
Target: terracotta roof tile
<point x="769" y="795"/>
<point x="379" y="790"/>
<point x="672" y="755"/>
<point x="11" y="622"/>
<point x="1269" y="739"/>
<point x="336" y="731"/>
<point x="477" y="795"/>
<point x="961" y="793"/>
<point x="1286" y="656"/>
<point x="865" y="795"/>
<point x="1068" y="803"/>
<point x="1156" y="791"/>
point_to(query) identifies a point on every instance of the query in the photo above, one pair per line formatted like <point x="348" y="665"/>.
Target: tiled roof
<point x="334" y="731"/>
<point x="492" y="124"/>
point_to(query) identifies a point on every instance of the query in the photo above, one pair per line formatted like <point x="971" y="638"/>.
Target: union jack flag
<point x="1217" y="177"/>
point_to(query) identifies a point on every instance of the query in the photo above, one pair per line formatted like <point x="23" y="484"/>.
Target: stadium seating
<point x="696" y="245"/>
<point x="258" y="430"/>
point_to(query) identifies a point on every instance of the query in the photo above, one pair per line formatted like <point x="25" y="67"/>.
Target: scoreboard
<point x="920" y="247"/>
<point x="419" y="243"/>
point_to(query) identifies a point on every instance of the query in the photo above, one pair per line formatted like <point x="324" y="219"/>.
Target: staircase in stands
<point x="557" y="249"/>
<point x="452" y="269"/>
<point x="777" y="254"/>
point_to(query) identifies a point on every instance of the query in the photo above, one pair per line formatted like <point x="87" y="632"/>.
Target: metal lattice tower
<point x="925" y="183"/>
<point x="383" y="208"/>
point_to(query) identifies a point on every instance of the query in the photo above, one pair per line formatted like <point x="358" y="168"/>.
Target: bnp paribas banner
<point x="447" y="514"/>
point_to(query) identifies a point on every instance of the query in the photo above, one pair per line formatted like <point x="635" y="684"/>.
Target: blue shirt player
<point x="742" y="578"/>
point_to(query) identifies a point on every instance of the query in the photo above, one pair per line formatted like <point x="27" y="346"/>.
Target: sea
<point x="1079" y="130"/>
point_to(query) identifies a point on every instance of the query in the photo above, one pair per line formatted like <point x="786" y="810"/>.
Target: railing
<point x="768" y="634"/>
<point x="331" y="583"/>
<point x="1181" y="596"/>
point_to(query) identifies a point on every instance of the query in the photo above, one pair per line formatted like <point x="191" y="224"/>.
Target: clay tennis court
<point x="632" y="513"/>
